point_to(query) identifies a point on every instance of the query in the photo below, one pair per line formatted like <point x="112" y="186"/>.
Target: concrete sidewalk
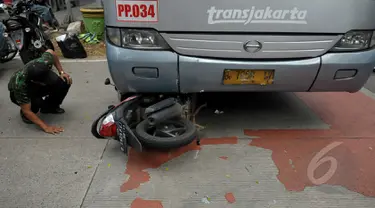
<point x="41" y="170"/>
<point x="265" y="150"/>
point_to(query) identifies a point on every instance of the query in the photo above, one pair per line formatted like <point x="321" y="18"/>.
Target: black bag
<point x="70" y="46"/>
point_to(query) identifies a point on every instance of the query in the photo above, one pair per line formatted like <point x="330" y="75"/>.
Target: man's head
<point x="37" y="72"/>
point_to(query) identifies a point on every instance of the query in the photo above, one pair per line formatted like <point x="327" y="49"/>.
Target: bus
<point x="175" y="46"/>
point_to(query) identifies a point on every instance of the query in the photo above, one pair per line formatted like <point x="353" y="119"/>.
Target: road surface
<point x="264" y="150"/>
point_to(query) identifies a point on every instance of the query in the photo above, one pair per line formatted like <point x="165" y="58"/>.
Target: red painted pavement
<point x="230" y="198"/>
<point x="140" y="203"/>
<point x="139" y="162"/>
<point x="342" y="155"/>
<point x="224" y="157"/>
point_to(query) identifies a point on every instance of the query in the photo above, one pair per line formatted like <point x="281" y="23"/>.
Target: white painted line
<point x="368" y="93"/>
<point x="82" y="60"/>
<point x="196" y="154"/>
<point x="75" y="60"/>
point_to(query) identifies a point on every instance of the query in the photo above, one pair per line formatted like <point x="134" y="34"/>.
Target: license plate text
<point x="137" y="11"/>
<point x="252" y="77"/>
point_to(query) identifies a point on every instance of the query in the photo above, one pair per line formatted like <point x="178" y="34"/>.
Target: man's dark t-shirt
<point x="17" y="83"/>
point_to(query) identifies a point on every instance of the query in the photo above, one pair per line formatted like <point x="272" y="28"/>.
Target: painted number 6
<point x="318" y="160"/>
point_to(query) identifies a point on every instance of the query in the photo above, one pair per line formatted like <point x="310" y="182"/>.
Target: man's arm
<point x="57" y="64"/>
<point x="56" y="61"/>
<point x="26" y="110"/>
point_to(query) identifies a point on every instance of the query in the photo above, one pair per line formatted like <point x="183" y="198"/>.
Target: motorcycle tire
<point x="9" y="55"/>
<point x="94" y="126"/>
<point x="7" y="58"/>
<point x="165" y="143"/>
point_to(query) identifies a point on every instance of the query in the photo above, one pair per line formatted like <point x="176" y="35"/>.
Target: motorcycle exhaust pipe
<point x="173" y="111"/>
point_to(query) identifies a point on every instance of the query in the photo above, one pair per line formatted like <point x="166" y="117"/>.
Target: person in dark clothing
<point x="44" y="12"/>
<point x="36" y="88"/>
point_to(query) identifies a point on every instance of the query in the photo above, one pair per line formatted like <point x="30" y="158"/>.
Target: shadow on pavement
<point x="231" y="113"/>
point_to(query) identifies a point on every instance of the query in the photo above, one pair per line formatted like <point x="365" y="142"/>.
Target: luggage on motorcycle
<point x="71" y="46"/>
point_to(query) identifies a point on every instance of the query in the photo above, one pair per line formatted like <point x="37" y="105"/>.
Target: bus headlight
<point x="355" y="41"/>
<point x="143" y="39"/>
<point x="114" y="36"/>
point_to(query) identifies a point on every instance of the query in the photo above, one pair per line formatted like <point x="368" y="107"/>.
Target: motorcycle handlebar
<point x="18" y="7"/>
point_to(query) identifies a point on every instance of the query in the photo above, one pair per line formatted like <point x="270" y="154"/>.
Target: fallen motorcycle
<point x="147" y="121"/>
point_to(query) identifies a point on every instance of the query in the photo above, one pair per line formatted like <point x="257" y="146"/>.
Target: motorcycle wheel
<point x="95" y="126"/>
<point x="169" y="135"/>
<point x="8" y="57"/>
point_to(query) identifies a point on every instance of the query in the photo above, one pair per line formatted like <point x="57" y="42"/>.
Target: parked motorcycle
<point x="9" y="50"/>
<point x="25" y="28"/>
<point x="160" y="126"/>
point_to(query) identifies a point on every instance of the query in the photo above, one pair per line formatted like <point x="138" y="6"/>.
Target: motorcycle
<point x="9" y="50"/>
<point x="146" y="121"/>
<point x="25" y="28"/>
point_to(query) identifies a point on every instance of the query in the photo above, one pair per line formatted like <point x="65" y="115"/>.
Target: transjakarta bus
<point x="182" y="46"/>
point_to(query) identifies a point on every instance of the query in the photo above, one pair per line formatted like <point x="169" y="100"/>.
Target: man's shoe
<point x="24" y="119"/>
<point x="53" y="110"/>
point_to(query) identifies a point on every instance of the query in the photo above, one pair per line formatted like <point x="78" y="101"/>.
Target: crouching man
<point x="36" y="88"/>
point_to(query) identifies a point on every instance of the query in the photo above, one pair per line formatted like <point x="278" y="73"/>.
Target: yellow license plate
<point x="254" y="77"/>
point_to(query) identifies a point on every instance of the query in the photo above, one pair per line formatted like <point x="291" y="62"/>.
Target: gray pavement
<point x="182" y="182"/>
<point x="85" y="100"/>
<point x="41" y="170"/>
<point x="75" y="170"/>
<point x="47" y="172"/>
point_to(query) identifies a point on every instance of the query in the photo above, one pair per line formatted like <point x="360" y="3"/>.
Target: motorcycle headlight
<point x="143" y="39"/>
<point x="355" y="41"/>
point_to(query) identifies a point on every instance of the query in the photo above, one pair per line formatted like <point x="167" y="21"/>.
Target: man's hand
<point x="66" y="78"/>
<point x="53" y="129"/>
<point x="56" y="62"/>
<point x="26" y="109"/>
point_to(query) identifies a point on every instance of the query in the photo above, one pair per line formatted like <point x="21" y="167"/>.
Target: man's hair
<point x="37" y="72"/>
